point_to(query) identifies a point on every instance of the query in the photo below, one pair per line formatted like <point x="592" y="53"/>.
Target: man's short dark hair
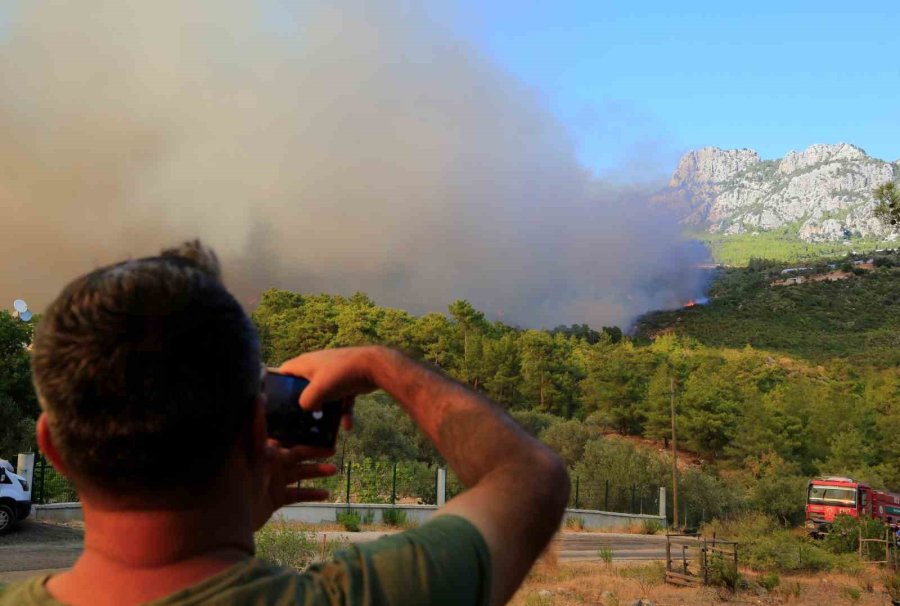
<point x="147" y="369"/>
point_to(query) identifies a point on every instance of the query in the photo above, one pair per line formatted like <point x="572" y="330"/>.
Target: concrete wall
<point x="57" y="512"/>
<point x="607" y="519"/>
<point x="326" y="513"/>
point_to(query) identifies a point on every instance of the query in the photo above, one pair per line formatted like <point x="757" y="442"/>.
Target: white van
<point x="15" y="497"/>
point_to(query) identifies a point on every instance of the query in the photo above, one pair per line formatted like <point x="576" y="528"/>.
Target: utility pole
<point x="674" y="458"/>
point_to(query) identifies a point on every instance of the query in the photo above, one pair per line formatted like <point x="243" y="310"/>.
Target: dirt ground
<point x="623" y="584"/>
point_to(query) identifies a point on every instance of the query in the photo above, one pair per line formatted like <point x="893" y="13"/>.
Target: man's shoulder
<point x="28" y="592"/>
<point x="251" y="582"/>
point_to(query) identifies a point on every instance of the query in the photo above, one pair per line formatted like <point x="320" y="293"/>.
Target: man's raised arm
<point x="518" y="488"/>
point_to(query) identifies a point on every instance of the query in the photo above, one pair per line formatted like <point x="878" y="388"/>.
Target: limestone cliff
<point x="822" y="193"/>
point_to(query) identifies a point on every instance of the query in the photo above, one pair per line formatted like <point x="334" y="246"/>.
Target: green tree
<point x="776" y="487"/>
<point x="538" y="367"/>
<point x="379" y="431"/>
<point x="887" y="195"/>
<point x="658" y="416"/>
<point x="18" y="403"/>
<point x="533" y="421"/>
<point x="356" y="322"/>
<point x="15" y="361"/>
<point x="470" y="326"/>
<point x="615" y="383"/>
<point x="710" y="402"/>
<point x="16" y="429"/>
<point x="568" y="438"/>
<point x="434" y="340"/>
<point x="502" y="368"/>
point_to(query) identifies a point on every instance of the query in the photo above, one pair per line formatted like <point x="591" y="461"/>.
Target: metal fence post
<point x="349" y="471"/>
<point x="577" y="485"/>
<point x="394" y="486"/>
<point x="606" y="497"/>
<point x="38" y="488"/>
<point x="441" y="486"/>
<point x="632" y="498"/>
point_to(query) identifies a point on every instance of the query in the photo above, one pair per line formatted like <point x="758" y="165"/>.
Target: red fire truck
<point x="829" y="497"/>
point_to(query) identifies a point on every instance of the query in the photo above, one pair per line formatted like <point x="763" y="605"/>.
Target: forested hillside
<point x="761" y="422"/>
<point x="842" y="310"/>
<point x="772" y="384"/>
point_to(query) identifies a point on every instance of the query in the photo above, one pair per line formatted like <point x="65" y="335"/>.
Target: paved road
<point x="585" y="546"/>
<point x="35" y="546"/>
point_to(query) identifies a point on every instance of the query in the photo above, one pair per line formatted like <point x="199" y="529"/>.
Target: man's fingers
<point x="319" y="382"/>
<point x="308" y="471"/>
<point x="347" y="417"/>
<point x="295" y="454"/>
<point x="294" y="494"/>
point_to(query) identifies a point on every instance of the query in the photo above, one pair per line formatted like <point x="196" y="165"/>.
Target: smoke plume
<point x="335" y="146"/>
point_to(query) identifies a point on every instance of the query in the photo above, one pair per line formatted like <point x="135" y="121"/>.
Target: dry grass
<point x="552" y="583"/>
<point x="631" y="528"/>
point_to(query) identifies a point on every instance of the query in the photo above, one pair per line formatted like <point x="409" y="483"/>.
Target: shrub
<point x="416" y="479"/>
<point x="765" y="546"/>
<point x="791" y="590"/>
<point x="769" y="581"/>
<point x="606" y="555"/>
<point x="847" y="563"/>
<point x="574" y="523"/>
<point x="394" y="517"/>
<point x="650" y="527"/>
<point x="536" y="599"/>
<point x="349" y="519"/>
<point x="646" y="575"/>
<point x="368" y="518"/>
<point x="724" y="573"/>
<point x="291" y="545"/>
<point x="851" y="593"/>
<point x="843" y="536"/>
<point x="891" y="582"/>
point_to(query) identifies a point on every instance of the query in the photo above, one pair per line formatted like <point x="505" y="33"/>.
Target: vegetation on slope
<point x="780" y="245"/>
<point x="855" y="318"/>
<point x="760" y="422"/>
<point x="765" y="422"/>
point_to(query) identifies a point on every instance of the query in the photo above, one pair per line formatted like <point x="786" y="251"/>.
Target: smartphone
<point x="290" y="424"/>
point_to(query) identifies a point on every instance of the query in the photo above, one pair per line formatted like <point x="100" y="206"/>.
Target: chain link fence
<point x="49" y="486"/>
<point x="605" y="495"/>
<point x="380" y="481"/>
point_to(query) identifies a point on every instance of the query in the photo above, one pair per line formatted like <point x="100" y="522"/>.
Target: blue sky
<point x="639" y="82"/>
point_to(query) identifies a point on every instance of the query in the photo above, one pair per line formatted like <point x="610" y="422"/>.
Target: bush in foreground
<point x="766" y="546"/>
<point x="349" y="519"/>
<point x="394" y="517"/>
<point x="291" y="545"/>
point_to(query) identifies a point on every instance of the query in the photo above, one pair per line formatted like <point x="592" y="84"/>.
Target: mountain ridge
<point x="824" y="192"/>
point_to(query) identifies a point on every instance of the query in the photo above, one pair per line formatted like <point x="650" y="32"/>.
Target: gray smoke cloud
<point x="329" y="146"/>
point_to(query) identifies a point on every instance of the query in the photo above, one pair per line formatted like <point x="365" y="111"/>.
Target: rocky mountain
<point x="822" y="193"/>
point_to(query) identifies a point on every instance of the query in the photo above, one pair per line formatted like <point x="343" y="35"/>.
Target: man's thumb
<point x="312" y="397"/>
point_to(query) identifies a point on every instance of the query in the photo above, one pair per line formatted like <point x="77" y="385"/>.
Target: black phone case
<point x="290" y="424"/>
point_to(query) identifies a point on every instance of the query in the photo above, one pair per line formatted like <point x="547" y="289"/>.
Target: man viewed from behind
<point x="148" y="374"/>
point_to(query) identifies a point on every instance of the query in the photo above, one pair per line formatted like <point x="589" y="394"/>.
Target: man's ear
<point x="45" y="443"/>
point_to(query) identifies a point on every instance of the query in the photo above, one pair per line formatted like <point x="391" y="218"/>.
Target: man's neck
<point x="132" y="557"/>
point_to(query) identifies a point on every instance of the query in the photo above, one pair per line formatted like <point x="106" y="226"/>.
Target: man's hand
<point x="285" y="469"/>
<point x="336" y="374"/>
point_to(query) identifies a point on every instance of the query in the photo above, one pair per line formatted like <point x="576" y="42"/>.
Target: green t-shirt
<point x="446" y="561"/>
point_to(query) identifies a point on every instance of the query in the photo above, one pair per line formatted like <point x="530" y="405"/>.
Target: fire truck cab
<point x="827" y="498"/>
